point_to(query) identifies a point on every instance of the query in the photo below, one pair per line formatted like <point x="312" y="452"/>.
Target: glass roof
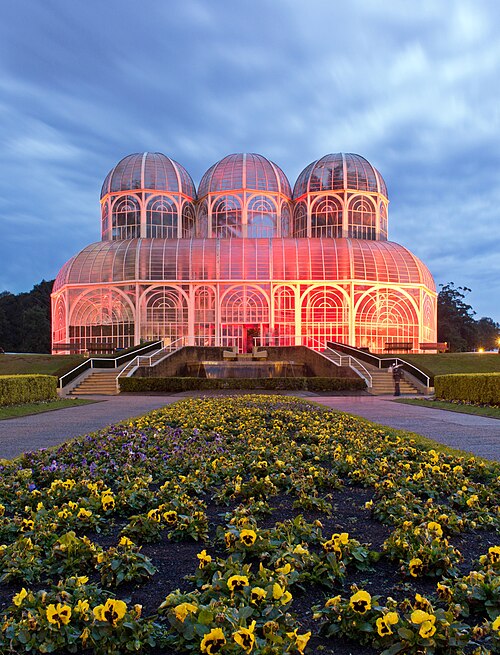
<point x="148" y="170"/>
<point x="107" y="262"/>
<point x="244" y="171"/>
<point x="339" y="171"/>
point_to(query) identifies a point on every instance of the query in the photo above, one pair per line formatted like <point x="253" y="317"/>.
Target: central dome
<point x="244" y="171"/>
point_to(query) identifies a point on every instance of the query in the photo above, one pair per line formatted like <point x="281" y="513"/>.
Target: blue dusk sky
<point x="412" y="86"/>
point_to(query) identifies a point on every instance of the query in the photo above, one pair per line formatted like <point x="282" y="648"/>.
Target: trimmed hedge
<point x="19" y="389"/>
<point x="480" y="388"/>
<point x="137" y="384"/>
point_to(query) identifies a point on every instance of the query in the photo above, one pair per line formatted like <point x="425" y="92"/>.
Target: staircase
<point x="379" y="381"/>
<point x="98" y="383"/>
<point x="382" y="383"/>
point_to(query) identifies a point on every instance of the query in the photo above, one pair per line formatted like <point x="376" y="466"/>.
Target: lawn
<point x="461" y="408"/>
<point x="250" y="524"/>
<point x="57" y="365"/>
<point x="27" y="409"/>
<point x="446" y="363"/>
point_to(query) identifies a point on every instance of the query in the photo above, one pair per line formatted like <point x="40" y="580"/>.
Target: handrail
<point x="105" y="362"/>
<point x="383" y="362"/>
<point x="135" y="363"/>
<point x="367" y="377"/>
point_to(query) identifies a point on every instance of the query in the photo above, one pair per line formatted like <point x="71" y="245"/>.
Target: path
<point x="475" y="434"/>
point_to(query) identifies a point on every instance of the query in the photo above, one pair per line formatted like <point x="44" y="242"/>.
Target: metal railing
<point x="153" y="360"/>
<point x="350" y="362"/>
<point x="383" y="362"/>
<point x="103" y="362"/>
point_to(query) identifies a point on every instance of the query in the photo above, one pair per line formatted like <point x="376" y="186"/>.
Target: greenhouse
<point x="243" y="261"/>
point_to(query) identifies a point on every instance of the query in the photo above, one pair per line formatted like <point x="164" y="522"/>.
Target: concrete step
<point x="97" y="383"/>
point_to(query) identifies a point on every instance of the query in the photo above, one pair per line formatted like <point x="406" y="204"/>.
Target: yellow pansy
<point x="360" y="602"/>
<point x="204" y="559"/>
<point x="19" y="597"/>
<point x="248" y="537"/>
<point x="58" y="614"/>
<point x="213" y="641"/>
<point x="257" y="595"/>
<point x="300" y="641"/>
<point x="245" y="638"/>
<point x="237" y="582"/>
<point x="183" y="609"/>
<point x="112" y="611"/>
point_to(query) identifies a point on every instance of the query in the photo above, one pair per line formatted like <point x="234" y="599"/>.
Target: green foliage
<point x="456" y="323"/>
<point x="17" y="389"/>
<point x="136" y="384"/>
<point x="481" y="388"/>
<point x="25" y="319"/>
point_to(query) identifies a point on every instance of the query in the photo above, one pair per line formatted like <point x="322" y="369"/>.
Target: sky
<point x="414" y="87"/>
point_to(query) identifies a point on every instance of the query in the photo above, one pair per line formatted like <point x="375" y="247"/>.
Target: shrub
<point x="137" y="384"/>
<point x="481" y="388"/>
<point x="17" y="389"/>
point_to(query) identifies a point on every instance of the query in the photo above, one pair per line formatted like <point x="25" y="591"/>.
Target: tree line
<point x="25" y="321"/>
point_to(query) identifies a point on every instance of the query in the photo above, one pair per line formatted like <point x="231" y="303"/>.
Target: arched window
<point x="261" y="218"/>
<point x="286" y="220"/>
<point x="161" y="219"/>
<point x="166" y="314"/>
<point x="102" y="316"/>
<point x="204" y="316"/>
<point x="326" y="218"/>
<point x="187" y="221"/>
<point x="202" y="220"/>
<point x="361" y="219"/>
<point x="429" y="319"/>
<point x="126" y="218"/>
<point x="300" y="220"/>
<point x="226" y="218"/>
<point x="245" y="305"/>
<point x="385" y="315"/>
<point x="59" y="321"/>
<point x="324" y="316"/>
<point x="105" y="221"/>
<point x="383" y="220"/>
<point x="284" y="316"/>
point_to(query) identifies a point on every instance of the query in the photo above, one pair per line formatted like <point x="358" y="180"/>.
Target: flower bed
<point x="254" y="524"/>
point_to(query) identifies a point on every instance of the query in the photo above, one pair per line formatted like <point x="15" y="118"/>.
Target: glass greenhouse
<point x="244" y="261"/>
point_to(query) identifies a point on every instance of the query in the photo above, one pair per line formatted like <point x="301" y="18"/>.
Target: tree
<point x="456" y="323"/>
<point x="487" y="333"/>
<point x="25" y="319"/>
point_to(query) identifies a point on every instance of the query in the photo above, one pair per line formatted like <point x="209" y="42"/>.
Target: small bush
<point x="480" y="388"/>
<point x="137" y="384"/>
<point x="18" y="389"/>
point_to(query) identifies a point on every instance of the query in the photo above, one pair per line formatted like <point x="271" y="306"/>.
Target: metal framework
<point x="229" y="265"/>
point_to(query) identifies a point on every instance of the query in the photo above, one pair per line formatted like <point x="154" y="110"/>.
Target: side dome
<point x="148" y="170"/>
<point x="244" y="171"/>
<point x="339" y="172"/>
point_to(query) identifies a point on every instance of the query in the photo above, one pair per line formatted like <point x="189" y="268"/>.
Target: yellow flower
<point x="300" y="641"/>
<point x="244" y="637"/>
<point x="112" y="611"/>
<point x="257" y="595"/>
<point x="300" y="550"/>
<point x="384" y="623"/>
<point x="58" y="614"/>
<point x="204" y="559"/>
<point x="170" y="517"/>
<point x="496" y="624"/>
<point x="107" y="501"/>
<point x="248" y="537"/>
<point x="213" y="641"/>
<point x="154" y="515"/>
<point x="126" y="542"/>
<point x="284" y="570"/>
<point x="332" y="602"/>
<point x="427" y="629"/>
<point x="2" y="509"/>
<point x="435" y="528"/>
<point x="81" y="580"/>
<point x="494" y="554"/>
<point x="183" y="609"/>
<point x="420" y="617"/>
<point x="237" y="582"/>
<point x="361" y="602"/>
<point x="279" y="593"/>
<point x="416" y="567"/>
<point x="18" y="598"/>
<point x="444" y="592"/>
<point x="84" y="636"/>
<point x="82" y="607"/>
<point x="84" y="514"/>
<point x="229" y="539"/>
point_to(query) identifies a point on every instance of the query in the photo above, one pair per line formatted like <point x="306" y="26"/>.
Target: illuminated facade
<point x="244" y="260"/>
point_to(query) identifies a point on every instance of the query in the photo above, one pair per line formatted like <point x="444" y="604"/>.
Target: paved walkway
<point x="478" y="435"/>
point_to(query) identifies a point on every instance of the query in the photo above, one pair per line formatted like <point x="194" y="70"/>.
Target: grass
<point x="446" y="363"/>
<point x="25" y="363"/>
<point x="488" y="412"/>
<point x="16" y="411"/>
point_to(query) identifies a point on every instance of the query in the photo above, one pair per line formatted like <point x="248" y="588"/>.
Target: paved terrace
<point x="474" y="434"/>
